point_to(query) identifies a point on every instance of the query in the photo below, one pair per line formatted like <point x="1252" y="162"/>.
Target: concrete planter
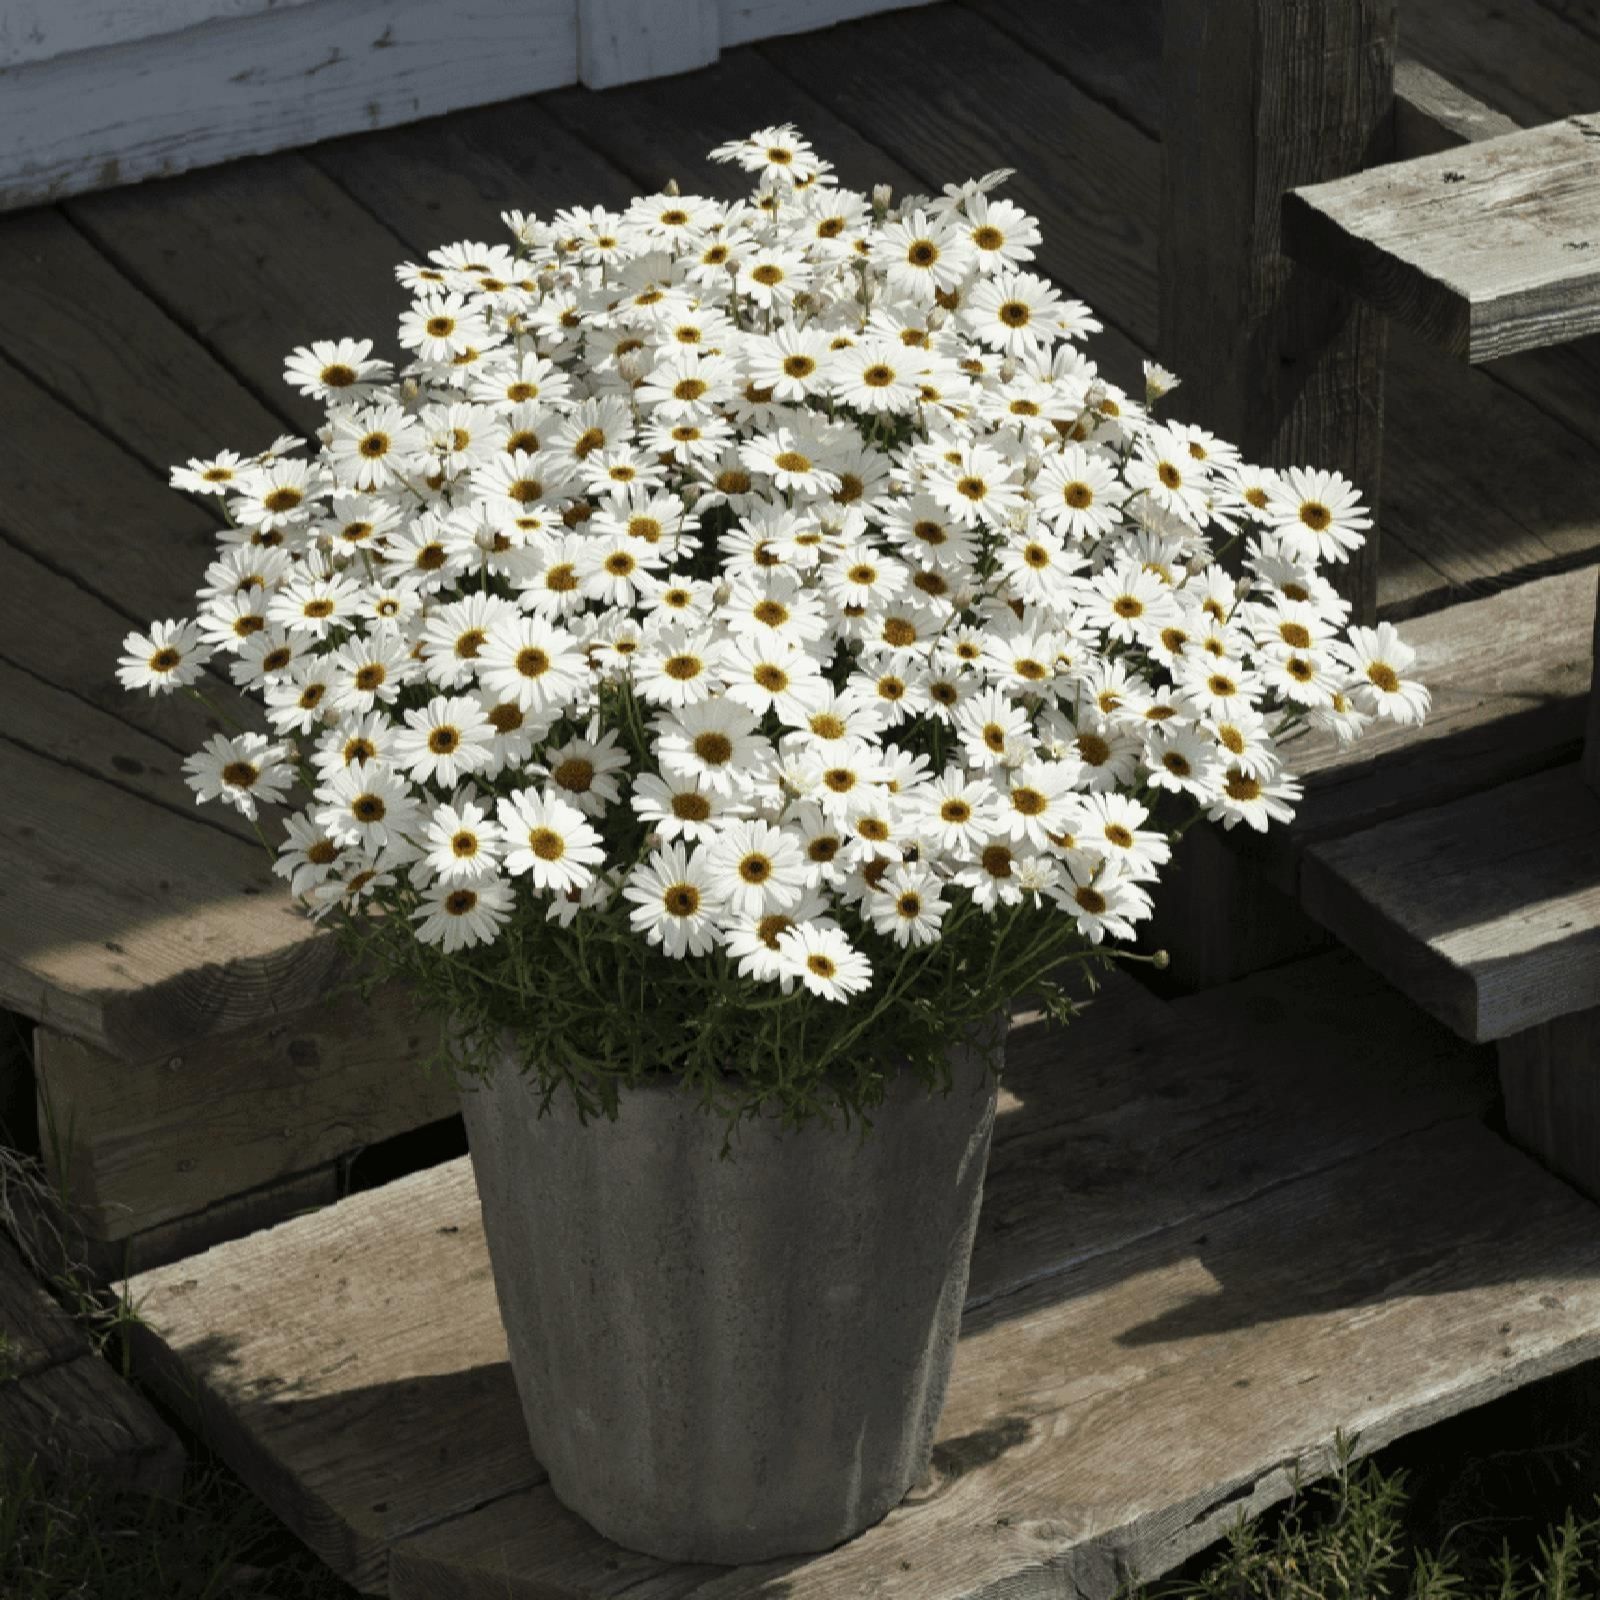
<point x="730" y="1360"/>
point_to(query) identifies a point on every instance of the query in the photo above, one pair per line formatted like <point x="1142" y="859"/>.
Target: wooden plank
<point x="1259" y="98"/>
<point x="747" y="20"/>
<point x="81" y="1411"/>
<point x="1431" y="114"/>
<point x="311" y="1345"/>
<point x="56" y="1238"/>
<point x="35" y="1333"/>
<point x="1497" y="715"/>
<point x="451" y="178"/>
<point x="34" y="30"/>
<point x="1591" y="736"/>
<point x="1486" y="911"/>
<point x="149" y="1141"/>
<point x="155" y="106"/>
<point x="1520" y="58"/>
<point x="1580" y="13"/>
<point x="190" y="243"/>
<point x="1487" y="251"/>
<point x="77" y="326"/>
<point x="1551" y="1078"/>
<point x="165" y="932"/>
<point x="1116" y="1420"/>
<point x="619" y="42"/>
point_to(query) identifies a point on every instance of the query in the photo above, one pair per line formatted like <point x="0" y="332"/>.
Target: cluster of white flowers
<point x="780" y="572"/>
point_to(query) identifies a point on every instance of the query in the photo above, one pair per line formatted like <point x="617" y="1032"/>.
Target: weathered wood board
<point x="1432" y="114"/>
<point x="58" y="1399"/>
<point x="176" y="932"/>
<point x="1158" y="1210"/>
<point x="1550" y="1076"/>
<point x="1261" y="96"/>
<point x="241" y="85"/>
<point x="149" y="1141"/>
<point x="1487" y="250"/>
<point x="620" y="42"/>
<point x="1486" y="911"/>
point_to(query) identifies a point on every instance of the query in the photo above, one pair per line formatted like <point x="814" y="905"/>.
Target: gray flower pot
<point x="730" y="1360"/>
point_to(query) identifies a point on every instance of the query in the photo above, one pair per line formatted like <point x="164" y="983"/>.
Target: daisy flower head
<point x="456" y="916"/>
<point x="549" y="840"/>
<point x="246" y="772"/>
<point x="674" y="901"/>
<point x="824" y="960"/>
<point x="170" y="656"/>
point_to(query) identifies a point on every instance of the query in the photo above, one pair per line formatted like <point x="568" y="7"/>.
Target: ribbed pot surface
<point x="730" y="1360"/>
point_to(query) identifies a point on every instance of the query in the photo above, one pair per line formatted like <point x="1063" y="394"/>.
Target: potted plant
<point x="742" y="649"/>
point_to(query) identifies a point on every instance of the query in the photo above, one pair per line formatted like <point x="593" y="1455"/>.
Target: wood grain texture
<point x="1431" y="114"/>
<point x="1497" y="715"/>
<point x="83" y="1412"/>
<point x="316" y="264"/>
<point x="1550" y="1076"/>
<point x="318" y="1356"/>
<point x="149" y="1141"/>
<point x="1260" y="98"/>
<point x="1486" y="911"/>
<point x="167" y="932"/>
<point x="657" y="132"/>
<point x="37" y="1332"/>
<point x="35" y="30"/>
<point x="1124" y="1416"/>
<point x="745" y="20"/>
<point x="1520" y="58"/>
<point x="1486" y="251"/>
<point x="450" y="178"/>
<point x="242" y="85"/>
<point x="79" y="328"/>
<point x="619" y="42"/>
<point x="58" y="1238"/>
<point x="1591" y="735"/>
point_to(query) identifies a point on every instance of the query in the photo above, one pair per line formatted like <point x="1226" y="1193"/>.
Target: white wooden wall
<point x="100" y="92"/>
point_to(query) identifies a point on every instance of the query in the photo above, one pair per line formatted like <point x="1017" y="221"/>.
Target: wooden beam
<point x="1551" y="1079"/>
<point x="1262" y="96"/>
<point x="1486" y="912"/>
<point x="1487" y="250"/>
<point x="1591" y="742"/>
<point x="1431" y="114"/>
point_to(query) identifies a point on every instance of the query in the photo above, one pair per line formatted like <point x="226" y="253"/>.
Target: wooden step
<point x="1485" y="911"/>
<point x="1213" y="1234"/>
<point x="1486" y="250"/>
<point x="59" y="1401"/>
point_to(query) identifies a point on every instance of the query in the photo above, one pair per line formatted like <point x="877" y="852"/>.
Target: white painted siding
<point x="101" y="92"/>
<point x="36" y="30"/>
<point x="259" y="83"/>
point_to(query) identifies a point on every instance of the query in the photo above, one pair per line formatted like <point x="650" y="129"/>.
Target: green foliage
<point x="67" y="1535"/>
<point x="1357" y="1535"/>
<point x="592" y="1009"/>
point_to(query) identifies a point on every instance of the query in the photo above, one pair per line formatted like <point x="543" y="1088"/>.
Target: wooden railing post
<point x="1263" y="96"/>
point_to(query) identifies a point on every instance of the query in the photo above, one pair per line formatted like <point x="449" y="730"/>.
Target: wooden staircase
<point x="1215" y="1233"/>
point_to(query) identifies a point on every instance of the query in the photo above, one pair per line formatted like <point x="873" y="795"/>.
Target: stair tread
<point x="1213" y="1233"/>
<point x="1487" y="250"/>
<point x="1485" y="911"/>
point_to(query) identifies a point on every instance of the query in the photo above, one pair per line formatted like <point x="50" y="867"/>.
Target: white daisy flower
<point x="444" y="741"/>
<point x="170" y="656"/>
<point x="674" y="900"/>
<point x="908" y="906"/>
<point x="549" y="840"/>
<point x="1377" y="659"/>
<point x="366" y="804"/>
<point x="464" y="844"/>
<point x="459" y="915"/>
<point x="824" y="960"/>
<point x="246" y="771"/>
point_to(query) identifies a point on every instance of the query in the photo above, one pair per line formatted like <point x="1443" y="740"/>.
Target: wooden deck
<point x="197" y="1085"/>
<point x="1213" y="1235"/>
<point x="148" y="323"/>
